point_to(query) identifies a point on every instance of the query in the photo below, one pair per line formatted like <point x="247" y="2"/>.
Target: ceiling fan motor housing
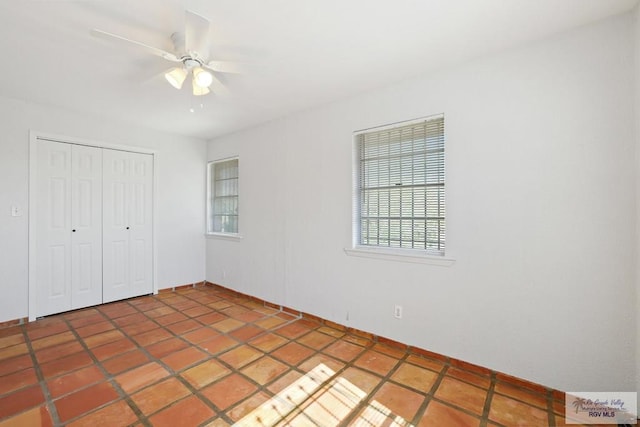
<point x="190" y="63"/>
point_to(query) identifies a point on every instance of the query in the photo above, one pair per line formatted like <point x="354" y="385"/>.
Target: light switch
<point x="16" y="211"/>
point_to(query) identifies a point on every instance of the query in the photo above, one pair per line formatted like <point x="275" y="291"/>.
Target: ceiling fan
<point x="191" y="52"/>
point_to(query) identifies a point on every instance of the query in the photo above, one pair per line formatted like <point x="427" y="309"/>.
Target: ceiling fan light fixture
<point x="176" y="77"/>
<point x="199" y="90"/>
<point x="202" y="77"/>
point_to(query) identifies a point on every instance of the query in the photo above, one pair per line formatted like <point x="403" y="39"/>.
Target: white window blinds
<point x="400" y="180"/>
<point x="223" y="199"/>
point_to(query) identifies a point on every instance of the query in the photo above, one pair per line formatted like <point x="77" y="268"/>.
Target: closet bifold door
<point x="68" y="227"/>
<point x="86" y="223"/>
<point x="127" y="224"/>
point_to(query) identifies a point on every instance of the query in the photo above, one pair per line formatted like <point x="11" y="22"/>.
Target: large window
<point x="223" y="196"/>
<point x="400" y="186"/>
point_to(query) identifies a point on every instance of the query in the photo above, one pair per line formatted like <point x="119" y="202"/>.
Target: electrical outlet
<point x="397" y="311"/>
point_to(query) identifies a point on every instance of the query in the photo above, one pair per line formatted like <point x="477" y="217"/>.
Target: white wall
<point x="540" y="202"/>
<point x="180" y="198"/>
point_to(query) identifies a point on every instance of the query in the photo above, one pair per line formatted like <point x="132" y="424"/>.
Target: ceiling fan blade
<point x="153" y="50"/>
<point x="218" y="87"/>
<point x="196" y="34"/>
<point x="225" y="67"/>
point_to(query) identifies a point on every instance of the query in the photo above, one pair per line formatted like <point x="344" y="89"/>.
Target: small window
<point x="222" y="203"/>
<point x="399" y="195"/>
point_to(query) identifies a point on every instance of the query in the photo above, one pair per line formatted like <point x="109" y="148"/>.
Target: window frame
<point x="419" y="255"/>
<point x="211" y="197"/>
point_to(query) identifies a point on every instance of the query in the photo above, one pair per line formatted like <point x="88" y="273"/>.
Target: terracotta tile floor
<point x="206" y="356"/>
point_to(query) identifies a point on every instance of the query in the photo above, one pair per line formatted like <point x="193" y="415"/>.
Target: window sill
<point x="225" y="236"/>
<point x="401" y="255"/>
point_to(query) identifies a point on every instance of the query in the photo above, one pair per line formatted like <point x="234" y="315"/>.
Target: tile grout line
<point x="550" y="412"/>
<point x="144" y="419"/>
<point x="385" y="379"/>
<point x="53" y="411"/>
<point x="445" y="372"/>
<point x="316" y="352"/>
<point x="260" y="387"/>
<point x="487" y="404"/>
<point x="290" y="367"/>
<point x="430" y="395"/>
<point x="219" y="413"/>
<point x="176" y="374"/>
<point x="128" y="396"/>
<point x="110" y="378"/>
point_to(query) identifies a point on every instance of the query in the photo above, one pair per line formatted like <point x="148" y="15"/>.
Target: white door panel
<point x="86" y="222"/>
<point x="115" y="233"/>
<point x="141" y="223"/>
<point x="57" y="260"/>
<point x="53" y="222"/>
<point x="127" y="227"/>
<point x="83" y="267"/>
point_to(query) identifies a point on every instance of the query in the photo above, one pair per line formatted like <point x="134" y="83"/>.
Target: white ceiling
<point x="298" y="53"/>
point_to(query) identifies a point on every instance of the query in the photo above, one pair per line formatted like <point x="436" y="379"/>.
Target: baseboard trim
<point x="14" y="322"/>
<point x="175" y="288"/>
<point x="477" y="369"/>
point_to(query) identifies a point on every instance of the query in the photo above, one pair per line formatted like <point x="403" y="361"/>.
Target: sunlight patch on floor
<point x="319" y="398"/>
